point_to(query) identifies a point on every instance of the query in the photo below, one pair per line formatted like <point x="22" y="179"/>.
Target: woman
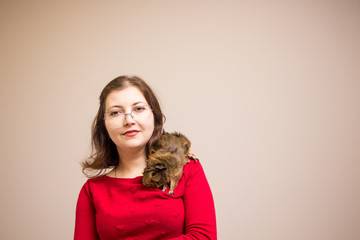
<point x="116" y="205"/>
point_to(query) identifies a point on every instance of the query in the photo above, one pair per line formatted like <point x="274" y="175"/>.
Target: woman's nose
<point x="129" y="119"/>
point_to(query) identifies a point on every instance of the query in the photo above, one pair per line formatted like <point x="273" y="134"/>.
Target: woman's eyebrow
<point x="119" y="106"/>
<point x="136" y="103"/>
<point x="114" y="106"/>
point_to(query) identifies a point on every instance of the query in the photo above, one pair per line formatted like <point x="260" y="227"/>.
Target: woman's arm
<point x="200" y="220"/>
<point x="85" y="226"/>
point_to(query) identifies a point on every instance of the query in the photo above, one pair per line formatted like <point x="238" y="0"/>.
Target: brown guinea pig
<point x="166" y="161"/>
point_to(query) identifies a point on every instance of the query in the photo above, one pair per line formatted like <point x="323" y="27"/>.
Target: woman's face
<point x="130" y="134"/>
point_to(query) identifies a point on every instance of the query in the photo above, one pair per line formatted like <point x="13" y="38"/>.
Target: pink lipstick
<point x="131" y="133"/>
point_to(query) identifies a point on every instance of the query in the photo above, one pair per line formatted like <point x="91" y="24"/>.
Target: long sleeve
<point x="121" y="208"/>
<point x="85" y="224"/>
<point x="200" y="219"/>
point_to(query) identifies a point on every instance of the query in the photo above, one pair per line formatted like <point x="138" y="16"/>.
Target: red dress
<point x="122" y="208"/>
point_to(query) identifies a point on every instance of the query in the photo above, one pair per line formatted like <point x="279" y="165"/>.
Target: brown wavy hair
<point x="104" y="153"/>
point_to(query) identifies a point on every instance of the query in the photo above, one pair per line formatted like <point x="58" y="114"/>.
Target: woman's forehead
<point x="126" y="97"/>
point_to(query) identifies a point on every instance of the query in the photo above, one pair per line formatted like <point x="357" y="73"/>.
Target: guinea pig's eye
<point x="153" y="174"/>
<point x="152" y="151"/>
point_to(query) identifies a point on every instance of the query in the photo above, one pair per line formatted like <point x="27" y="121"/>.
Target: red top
<point x="123" y="208"/>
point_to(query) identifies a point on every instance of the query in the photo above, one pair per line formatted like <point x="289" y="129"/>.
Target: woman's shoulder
<point x="96" y="180"/>
<point x="194" y="176"/>
<point x="192" y="167"/>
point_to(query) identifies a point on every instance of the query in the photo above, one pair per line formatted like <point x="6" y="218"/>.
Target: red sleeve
<point x="200" y="221"/>
<point x="85" y="225"/>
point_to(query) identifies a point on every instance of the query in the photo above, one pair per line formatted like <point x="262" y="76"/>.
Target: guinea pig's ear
<point x="160" y="166"/>
<point x="187" y="145"/>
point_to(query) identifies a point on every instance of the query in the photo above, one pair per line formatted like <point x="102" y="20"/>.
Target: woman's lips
<point x="131" y="133"/>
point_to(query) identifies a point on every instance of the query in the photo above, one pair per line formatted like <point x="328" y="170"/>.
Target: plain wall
<point x="267" y="91"/>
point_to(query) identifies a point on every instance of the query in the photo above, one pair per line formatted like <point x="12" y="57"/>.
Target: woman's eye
<point x="115" y="113"/>
<point x="139" y="109"/>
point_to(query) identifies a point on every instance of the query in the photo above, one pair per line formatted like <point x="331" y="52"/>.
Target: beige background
<point x="268" y="92"/>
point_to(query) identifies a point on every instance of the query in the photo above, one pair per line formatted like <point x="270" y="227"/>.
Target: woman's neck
<point x="131" y="164"/>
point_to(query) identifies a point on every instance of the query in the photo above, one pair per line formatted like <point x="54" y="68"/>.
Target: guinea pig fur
<point x="166" y="161"/>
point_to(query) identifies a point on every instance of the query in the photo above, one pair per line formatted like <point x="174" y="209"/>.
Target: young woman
<point x="116" y="205"/>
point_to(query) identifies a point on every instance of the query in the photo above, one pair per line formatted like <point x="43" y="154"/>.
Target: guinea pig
<point x="166" y="161"/>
